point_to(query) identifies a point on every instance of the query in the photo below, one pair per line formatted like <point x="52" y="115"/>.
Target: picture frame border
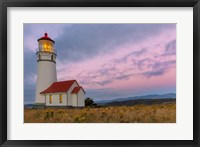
<point x="4" y="4"/>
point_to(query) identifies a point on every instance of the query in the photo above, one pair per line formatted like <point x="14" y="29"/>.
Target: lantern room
<point x="46" y="44"/>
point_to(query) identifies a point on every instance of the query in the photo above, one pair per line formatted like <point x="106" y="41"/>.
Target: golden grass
<point x="161" y="113"/>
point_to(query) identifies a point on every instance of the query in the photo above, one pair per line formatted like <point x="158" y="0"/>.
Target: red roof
<point x="76" y="89"/>
<point x="45" y="37"/>
<point x="56" y="87"/>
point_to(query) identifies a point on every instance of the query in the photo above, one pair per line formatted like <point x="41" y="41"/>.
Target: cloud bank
<point x="108" y="60"/>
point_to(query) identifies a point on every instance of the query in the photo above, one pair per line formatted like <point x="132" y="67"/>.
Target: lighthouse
<point x="46" y="66"/>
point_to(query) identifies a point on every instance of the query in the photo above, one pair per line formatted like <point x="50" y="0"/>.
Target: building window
<point x="50" y="98"/>
<point x="60" y="98"/>
<point x="51" y="57"/>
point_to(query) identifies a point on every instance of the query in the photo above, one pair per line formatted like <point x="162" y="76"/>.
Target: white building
<point x="49" y="92"/>
<point x="64" y="93"/>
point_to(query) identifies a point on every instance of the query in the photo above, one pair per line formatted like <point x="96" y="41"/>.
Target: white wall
<point x="46" y="75"/>
<point x="74" y="100"/>
<point x="78" y="97"/>
<point x="81" y="98"/>
<point x="75" y="84"/>
<point x="56" y="99"/>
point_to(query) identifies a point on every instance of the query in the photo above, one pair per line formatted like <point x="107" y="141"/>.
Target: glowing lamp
<point x="46" y="44"/>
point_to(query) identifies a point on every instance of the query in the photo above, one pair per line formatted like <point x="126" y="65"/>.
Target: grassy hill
<point x="164" y="112"/>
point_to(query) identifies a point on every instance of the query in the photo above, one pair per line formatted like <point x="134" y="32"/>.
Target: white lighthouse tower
<point x="46" y="66"/>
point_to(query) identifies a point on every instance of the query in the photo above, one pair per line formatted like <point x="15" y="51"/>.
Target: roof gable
<point x="77" y="89"/>
<point x="62" y="86"/>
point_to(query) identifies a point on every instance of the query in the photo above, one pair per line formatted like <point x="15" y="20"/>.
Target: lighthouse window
<point x="49" y="47"/>
<point x="50" y="98"/>
<point x="40" y="47"/>
<point x="39" y="56"/>
<point x="52" y="57"/>
<point x="60" y="98"/>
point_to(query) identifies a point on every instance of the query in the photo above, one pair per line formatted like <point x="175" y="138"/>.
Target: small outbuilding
<point x="64" y="93"/>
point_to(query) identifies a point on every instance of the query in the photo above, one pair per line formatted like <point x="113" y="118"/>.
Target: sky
<point x="108" y="60"/>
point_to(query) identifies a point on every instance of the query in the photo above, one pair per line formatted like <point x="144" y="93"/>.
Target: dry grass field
<point x="159" y="113"/>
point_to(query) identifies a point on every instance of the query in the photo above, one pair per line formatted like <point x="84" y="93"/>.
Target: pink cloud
<point x="142" y="65"/>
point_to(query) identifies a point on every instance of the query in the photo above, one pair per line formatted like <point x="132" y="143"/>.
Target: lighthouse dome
<point x="46" y="37"/>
